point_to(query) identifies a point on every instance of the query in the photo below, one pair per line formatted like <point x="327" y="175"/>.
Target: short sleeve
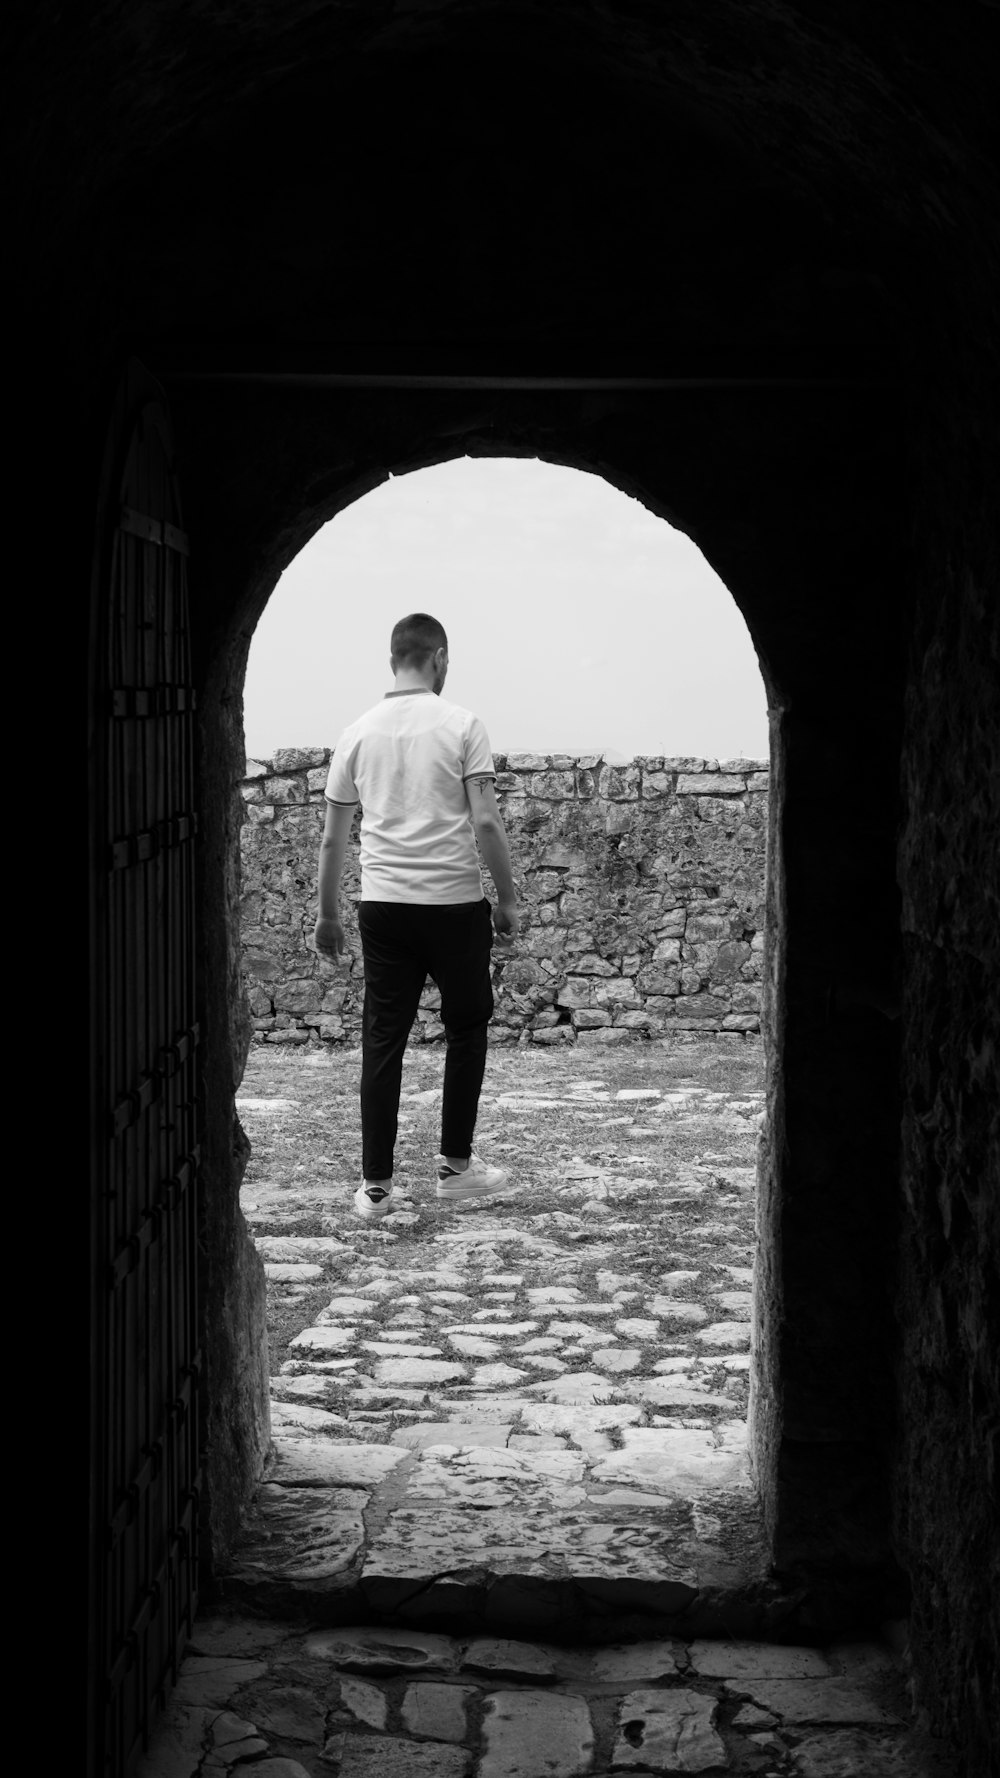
<point x="340" y="785"/>
<point x="478" y="760"/>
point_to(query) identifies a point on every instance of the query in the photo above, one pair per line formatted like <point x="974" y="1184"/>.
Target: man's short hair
<point x="415" y="638"/>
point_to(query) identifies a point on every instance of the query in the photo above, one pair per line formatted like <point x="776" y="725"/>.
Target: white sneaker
<point x="373" y="1201"/>
<point x="477" y="1180"/>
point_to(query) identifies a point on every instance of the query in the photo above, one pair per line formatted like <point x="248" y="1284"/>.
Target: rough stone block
<point x="617" y="1360"/>
<point x="654" y="978"/>
<point x="557" y="856"/>
<point x="678" y="1461"/>
<point x="733" y="1335"/>
<point x="550" y="786"/>
<point x="364" y="1650"/>
<point x="591" y="963"/>
<point x="322" y="1463"/>
<point x="671" y="1309"/>
<point x="321" y="1341"/>
<point x="527" y="762"/>
<point x="619" y="993"/>
<point x="363" y="1702"/>
<point x="618" y="818"/>
<point x="263" y="966"/>
<point x="502" y="1659"/>
<point x="695" y="1012"/>
<point x="393" y="1756"/>
<point x="710" y="784"/>
<point x="213" y="1679"/>
<point x="296" y="759"/>
<point x="295" y="1273"/>
<point x="308" y="1537"/>
<point x="528" y="1732"/>
<point x="729" y="959"/>
<point x="678" y="1394"/>
<point x="509" y="784"/>
<point x="668" y="1731"/>
<point x="283" y="790"/>
<point x="818" y="1701"/>
<point x="301" y="995"/>
<point x="437" y="1712"/>
<point x="420" y="1371"/>
<point x="635" y="1661"/>
<point x="702" y="925"/>
<point x="757" y="1660"/>
<point x="621" y="783"/>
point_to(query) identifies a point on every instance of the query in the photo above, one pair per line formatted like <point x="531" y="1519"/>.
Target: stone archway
<point x="820" y="1414"/>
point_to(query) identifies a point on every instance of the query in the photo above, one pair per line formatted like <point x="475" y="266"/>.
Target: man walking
<point x="423" y="773"/>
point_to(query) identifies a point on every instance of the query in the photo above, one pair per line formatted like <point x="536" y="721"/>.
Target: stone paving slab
<point x="270" y="1700"/>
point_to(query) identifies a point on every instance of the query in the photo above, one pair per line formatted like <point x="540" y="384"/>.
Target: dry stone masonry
<point x="642" y="887"/>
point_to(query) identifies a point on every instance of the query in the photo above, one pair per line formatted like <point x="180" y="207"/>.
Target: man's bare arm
<point x="491" y="834"/>
<point x="328" y="936"/>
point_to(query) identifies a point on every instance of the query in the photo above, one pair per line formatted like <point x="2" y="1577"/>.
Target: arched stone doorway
<point x="784" y="491"/>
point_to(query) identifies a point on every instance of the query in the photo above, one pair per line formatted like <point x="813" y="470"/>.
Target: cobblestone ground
<point x="572" y="1355"/>
<point x="269" y="1700"/>
<point x="519" y="1416"/>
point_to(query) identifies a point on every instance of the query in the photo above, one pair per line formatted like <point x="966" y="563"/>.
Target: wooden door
<point x="144" y="1350"/>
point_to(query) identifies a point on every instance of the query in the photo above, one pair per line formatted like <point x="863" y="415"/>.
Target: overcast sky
<point x="577" y="621"/>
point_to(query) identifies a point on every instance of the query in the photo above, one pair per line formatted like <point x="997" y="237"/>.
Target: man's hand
<point x="329" y="940"/>
<point x="506" y="920"/>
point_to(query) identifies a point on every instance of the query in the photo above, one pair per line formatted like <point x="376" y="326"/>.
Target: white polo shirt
<point x="406" y="761"/>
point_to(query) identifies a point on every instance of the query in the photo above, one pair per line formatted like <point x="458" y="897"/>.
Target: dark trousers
<point x="403" y="943"/>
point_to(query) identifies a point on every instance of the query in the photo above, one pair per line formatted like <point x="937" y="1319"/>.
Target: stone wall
<point x="642" y="888"/>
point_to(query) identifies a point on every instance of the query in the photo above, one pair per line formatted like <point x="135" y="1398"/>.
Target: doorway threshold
<point x="520" y="1517"/>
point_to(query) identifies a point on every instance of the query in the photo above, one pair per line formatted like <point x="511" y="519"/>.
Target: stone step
<point x="456" y="1525"/>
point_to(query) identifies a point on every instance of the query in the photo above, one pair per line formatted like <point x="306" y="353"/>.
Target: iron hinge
<point x="152" y="700"/>
<point x="150" y="530"/>
<point x="173" y="1055"/>
<point x="139" y="848"/>
<point x="131" y="1106"/>
<point x="150" y="1228"/>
